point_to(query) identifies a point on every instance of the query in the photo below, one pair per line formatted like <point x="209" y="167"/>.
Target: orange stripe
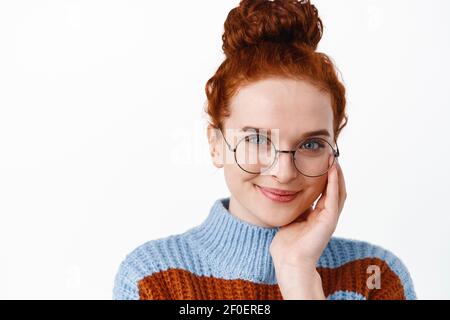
<point x="353" y="276"/>
<point x="180" y="284"/>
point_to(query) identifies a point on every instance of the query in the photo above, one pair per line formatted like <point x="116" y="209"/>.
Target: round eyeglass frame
<point x="278" y="151"/>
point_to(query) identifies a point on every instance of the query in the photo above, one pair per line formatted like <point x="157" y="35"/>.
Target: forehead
<point x="292" y="106"/>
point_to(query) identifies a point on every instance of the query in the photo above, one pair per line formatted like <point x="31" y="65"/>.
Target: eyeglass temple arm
<point x="228" y="145"/>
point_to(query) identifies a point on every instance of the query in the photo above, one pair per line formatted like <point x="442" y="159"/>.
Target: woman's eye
<point x="257" y="139"/>
<point x="312" y="145"/>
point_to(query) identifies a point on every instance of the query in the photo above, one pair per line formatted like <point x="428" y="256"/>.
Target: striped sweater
<point x="227" y="258"/>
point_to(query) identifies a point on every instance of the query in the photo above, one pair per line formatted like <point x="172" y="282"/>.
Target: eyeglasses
<point x="256" y="153"/>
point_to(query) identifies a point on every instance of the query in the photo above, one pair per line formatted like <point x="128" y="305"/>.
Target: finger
<point x="332" y="192"/>
<point x="342" y="187"/>
<point x="321" y="203"/>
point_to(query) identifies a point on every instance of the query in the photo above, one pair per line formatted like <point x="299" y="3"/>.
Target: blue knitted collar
<point x="233" y="248"/>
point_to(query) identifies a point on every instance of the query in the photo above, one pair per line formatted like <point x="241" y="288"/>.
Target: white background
<point x="103" y="143"/>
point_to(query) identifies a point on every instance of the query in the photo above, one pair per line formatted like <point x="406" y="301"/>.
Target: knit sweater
<point x="225" y="257"/>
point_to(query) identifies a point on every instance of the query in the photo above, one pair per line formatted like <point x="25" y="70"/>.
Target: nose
<point x="284" y="169"/>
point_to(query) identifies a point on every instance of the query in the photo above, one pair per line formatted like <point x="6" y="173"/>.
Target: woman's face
<point x="290" y="109"/>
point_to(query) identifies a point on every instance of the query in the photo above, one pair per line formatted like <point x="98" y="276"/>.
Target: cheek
<point x="236" y="179"/>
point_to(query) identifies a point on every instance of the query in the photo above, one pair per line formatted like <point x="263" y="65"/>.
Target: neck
<point x="234" y="248"/>
<point x="239" y="211"/>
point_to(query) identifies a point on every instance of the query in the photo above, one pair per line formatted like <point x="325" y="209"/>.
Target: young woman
<point x="276" y="108"/>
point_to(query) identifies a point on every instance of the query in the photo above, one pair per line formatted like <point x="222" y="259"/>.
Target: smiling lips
<point x="277" y="194"/>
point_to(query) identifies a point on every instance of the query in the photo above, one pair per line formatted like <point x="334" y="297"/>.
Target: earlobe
<point x="217" y="160"/>
<point x="216" y="154"/>
<point x="214" y="147"/>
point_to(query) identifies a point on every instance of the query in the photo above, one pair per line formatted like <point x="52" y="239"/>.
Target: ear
<point x="215" y="145"/>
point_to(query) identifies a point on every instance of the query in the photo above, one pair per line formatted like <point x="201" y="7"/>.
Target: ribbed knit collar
<point x="235" y="249"/>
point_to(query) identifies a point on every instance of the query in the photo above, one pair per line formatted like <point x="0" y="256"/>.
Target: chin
<point x="272" y="219"/>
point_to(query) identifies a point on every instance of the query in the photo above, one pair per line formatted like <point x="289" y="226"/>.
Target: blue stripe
<point x="345" y="295"/>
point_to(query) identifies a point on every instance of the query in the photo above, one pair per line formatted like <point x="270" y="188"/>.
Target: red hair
<point x="265" y="38"/>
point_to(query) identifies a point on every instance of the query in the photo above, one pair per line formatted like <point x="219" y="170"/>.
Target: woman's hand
<point x="297" y="247"/>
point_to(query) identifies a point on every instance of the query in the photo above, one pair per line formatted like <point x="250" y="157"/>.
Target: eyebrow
<point x="321" y="132"/>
